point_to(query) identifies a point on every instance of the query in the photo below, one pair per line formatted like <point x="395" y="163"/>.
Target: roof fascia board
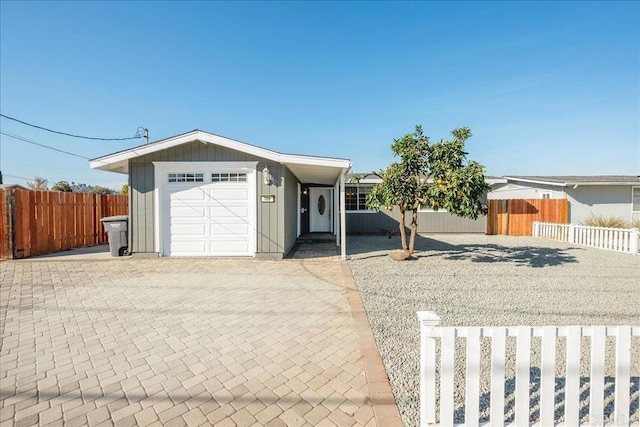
<point x="223" y="142"/>
<point x="578" y="184"/>
<point x="535" y="181"/>
<point x="141" y="151"/>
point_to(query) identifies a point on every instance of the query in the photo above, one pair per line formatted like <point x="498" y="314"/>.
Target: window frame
<point x="184" y="177"/>
<point x="358" y="194"/>
<point x="543" y="193"/>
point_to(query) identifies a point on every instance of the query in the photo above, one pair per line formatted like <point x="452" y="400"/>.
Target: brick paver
<point x="180" y="342"/>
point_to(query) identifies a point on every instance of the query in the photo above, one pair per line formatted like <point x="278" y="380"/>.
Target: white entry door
<point x="321" y="208"/>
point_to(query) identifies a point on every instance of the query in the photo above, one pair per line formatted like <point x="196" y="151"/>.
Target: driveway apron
<point x="187" y="342"/>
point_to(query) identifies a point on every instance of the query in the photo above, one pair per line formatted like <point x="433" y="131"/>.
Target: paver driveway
<point x="183" y="342"/>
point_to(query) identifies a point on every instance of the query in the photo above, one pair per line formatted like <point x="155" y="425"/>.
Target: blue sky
<point x="546" y="87"/>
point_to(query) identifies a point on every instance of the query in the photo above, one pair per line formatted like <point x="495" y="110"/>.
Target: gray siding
<point x="270" y="223"/>
<point x="270" y="232"/>
<point x="290" y="217"/>
<point x="428" y="222"/>
<point x="141" y="220"/>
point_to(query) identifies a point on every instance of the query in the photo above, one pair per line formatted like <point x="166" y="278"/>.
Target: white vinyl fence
<point x="430" y="332"/>
<point x="613" y="239"/>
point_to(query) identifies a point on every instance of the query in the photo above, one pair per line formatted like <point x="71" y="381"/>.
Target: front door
<point x="320" y="206"/>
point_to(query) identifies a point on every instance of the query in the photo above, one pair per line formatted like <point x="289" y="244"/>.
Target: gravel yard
<point x="478" y="280"/>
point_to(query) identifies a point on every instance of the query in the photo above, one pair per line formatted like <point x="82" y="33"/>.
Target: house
<point x="603" y="195"/>
<point x="200" y="194"/>
<point x="361" y="220"/>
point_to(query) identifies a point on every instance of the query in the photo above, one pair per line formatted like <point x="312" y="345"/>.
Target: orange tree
<point x="436" y="175"/>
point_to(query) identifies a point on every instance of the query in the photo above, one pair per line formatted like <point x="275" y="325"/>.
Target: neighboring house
<point x="200" y="194"/>
<point x="606" y="195"/>
<point x="361" y="220"/>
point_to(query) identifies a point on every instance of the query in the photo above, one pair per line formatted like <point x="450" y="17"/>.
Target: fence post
<point x="536" y="229"/>
<point x="633" y="244"/>
<point x="428" y="319"/>
<point x="572" y="231"/>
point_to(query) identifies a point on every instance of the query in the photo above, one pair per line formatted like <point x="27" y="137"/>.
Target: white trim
<point x="299" y="204"/>
<point x="162" y="168"/>
<point x="570" y="183"/>
<point x="535" y="181"/>
<point x="208" y="138"/>
<point x="336" y="212"/>
<point x="343" y="218"/>
<point x="357" y="185"/>
<point x="430" y="210"/>
<point x="368" y="211"/>
<point x="632" y="211"/>
<point x="331" y="209"/>
<point x="370" y="181"/>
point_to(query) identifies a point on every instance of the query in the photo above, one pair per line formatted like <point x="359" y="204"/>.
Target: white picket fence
<point x="612" y="239"/>
<point x="430" y="331"/>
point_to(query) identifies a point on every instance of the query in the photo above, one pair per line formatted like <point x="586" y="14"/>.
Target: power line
<point x="136" y="136"/>
<point x="18" y="177"/>
<point x="42" y="145"/>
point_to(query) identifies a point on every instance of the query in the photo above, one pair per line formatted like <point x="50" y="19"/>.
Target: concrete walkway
<point x="100" y="341"/>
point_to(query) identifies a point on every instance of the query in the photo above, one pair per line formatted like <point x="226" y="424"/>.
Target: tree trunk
<point x="403" y="234"/>
<point x="414" y="231"/>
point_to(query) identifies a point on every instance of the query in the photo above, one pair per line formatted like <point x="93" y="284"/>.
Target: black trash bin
<point x="116" y="228"/>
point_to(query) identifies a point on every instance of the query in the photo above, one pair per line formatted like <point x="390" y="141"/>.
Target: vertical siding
<point x="270" y="233"/>
<point x="290" y="217"/>
<point x="142" y="204"/>
<point x="428" y="222"/>
<point x="270" y="221"/>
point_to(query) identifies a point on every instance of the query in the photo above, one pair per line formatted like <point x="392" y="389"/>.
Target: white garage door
<point x="207" y="214"/>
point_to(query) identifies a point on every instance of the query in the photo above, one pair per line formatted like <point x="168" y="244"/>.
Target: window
<point x="229" y="177"/>
<point x="545" y="194"/>
<point x="356" y="197"/>
<point x="186" y="177"/>
<point x="636" y="199"/>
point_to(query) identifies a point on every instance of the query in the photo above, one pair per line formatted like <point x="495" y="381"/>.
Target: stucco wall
<point x="608" y="201"/>
<point x="524" y="191"/>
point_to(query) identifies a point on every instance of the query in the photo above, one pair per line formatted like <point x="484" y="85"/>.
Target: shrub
<point x="605" y="221"/>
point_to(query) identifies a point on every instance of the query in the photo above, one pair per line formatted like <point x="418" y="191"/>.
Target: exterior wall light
<point x="266" y="175"/>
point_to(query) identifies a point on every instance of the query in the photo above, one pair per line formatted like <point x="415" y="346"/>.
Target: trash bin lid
<point x="115" y="218"/>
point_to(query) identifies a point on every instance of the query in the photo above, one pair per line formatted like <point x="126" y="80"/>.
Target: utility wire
<point x="136" y="136"/>
<point x="42" y="145"/>
<point x="17" y="177"/>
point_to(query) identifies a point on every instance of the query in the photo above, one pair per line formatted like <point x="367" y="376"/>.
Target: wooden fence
<point x="574" y="398"/>
<point x="515" y="217"/>
<point x="611" y="239"/>
<point x="42" y="222"/>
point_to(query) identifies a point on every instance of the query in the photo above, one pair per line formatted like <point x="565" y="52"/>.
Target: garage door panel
<point x="182" y="212"/>
<point x="239" y="212"/>
<point x="192" y="248"/>
<point x="227" y="194"/>
<point x="229" y="246"/>
<point x="240" y="230"/>
<point x="208" y="219"/>
<point x="189" y="194"/>
<point x="188" y="229"/>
